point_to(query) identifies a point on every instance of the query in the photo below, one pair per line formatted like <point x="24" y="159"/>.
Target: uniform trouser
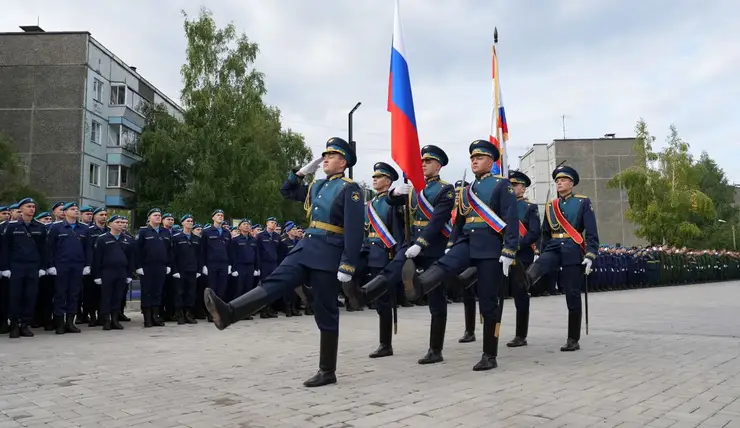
<point x="384" y="303"/>
<point x="24" y="282"/>
<point x="168" y="295"/>
<point x="152" y="285"/>
<point x="90" y="295"/>
<point x="185" y="288"/>
<point x="468" y="295"/>
<point x="392" y="272"/>
<point x="266" y="268"/>
<point x="519" y="292"/>
<point x="245" y="280"/>
<point x="570" y="278"/>
<point x="489" y="277"/>
<point x="67" y="288"/>
<point x="113" y="287"/>
<point x="218" y="279"/>
<point x="4" y="298"/>
<point x="324" y="287"/>
<point x="44" y="305"/>
<point x="202" y="283"/>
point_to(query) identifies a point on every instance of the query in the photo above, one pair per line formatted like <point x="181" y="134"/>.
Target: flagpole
<point x="497" y="107"/>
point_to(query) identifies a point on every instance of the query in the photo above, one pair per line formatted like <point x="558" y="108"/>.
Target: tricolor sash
<point x="427" y="209"/>
<point x="569" y="229"/>
<point x="485" y="212"/>
<point x="523" y="232"/>
<point x="379" y="226"/>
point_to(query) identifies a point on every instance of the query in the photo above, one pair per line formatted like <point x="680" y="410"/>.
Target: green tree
<point x="712" y="180"/>
<point x="665" y="201"/>
<point x="13" y="185"/>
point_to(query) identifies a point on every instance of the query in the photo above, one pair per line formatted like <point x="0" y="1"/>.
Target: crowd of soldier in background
<point x="55" y="274"/>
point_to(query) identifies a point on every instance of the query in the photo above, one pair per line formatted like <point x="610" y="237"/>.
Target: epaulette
<point x="142" y="227"/>
<point x="178" y="233"/>
<point x="13" y="221"/>
<point x="578" y="195"/>
<point x="207" y="227"/>
<point x="498" y="176"/>
<point x="55" y="222"/>
<point x="443" y="182"/>
<point x="348" y="180"/>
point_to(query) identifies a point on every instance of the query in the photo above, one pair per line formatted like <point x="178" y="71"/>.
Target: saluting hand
<point x="310" y="168"/>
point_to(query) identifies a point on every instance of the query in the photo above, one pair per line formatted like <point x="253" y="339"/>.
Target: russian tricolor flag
<point x="404" y="136"/>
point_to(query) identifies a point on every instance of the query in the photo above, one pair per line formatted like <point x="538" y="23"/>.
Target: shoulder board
<point x="577" y="195"/>
<point x="348" y="180"/>
<point x="142" y="227"/>
<point x="13" y="221"/>
<point x="499" y="176"/>
<point x="176" y="234"/>
<point x="209" y="227"/>
<point x="443" y="182"/>
<point x="58" y="221"/>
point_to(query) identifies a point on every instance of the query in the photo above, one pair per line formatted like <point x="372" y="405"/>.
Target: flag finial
<point x="495" y="35"/>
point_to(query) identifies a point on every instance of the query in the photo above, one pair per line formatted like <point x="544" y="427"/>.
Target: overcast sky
<point x="602" y="64"/>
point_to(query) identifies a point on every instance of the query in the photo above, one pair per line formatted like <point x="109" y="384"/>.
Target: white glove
<point x="98" y="281"/>
<point x="447" y="250"/>
<point x="86" y="270"/>
<point x="344" y="277"/>
<point x="140" y="272"/>
<point x="51" y="271"/>
<point x="168" y="270"/>
<point x="228" y="270"/>
<point x="205" y="270"/>
<point x="129" y="280"/>
<point x="506" y="263"/>
<point x="176" y="275"/>
<point x="235" y="273"/>
<point x="197" y="275"/>
<point x="413" y="251"/>
<point x="257" y="273"/>
<point x="5" y="273"/>
<point x="41" y="273"/>
<point x="311" y="167"/>
<point x="535" y="258"/>
<point x="402" y="189"/>
<point x="587" y="263"/>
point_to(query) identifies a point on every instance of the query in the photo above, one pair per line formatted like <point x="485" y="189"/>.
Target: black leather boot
<point x="82" y="318"/>
<point x="123" y="318"/>
<point x="385" y="331"/>
<point x="148" y="322"/>
<point x="362" y="296"/>
<point x="157" y="320"/>
<point x="469" y="335"/>
<point x="26" y="330"/>
<point x="114" y="323"/>
<point x="574" y="332"/>
<point x="416" y="285"/>
<point x="522" y="328"/>
<point x="180" y="314"/>
<point x="327" y="361"/>
<point x="225" y="314"/>
<point x="106" y="321"/>
<point x="4" y="327"/>
<point x="436" y="341"/>
<point x="70" y="327"/>
<point x="189" y="318"/>
<point x="93" y="322"/>
<point x="59" y="324"/>
<point x="14" y="331"/>
<point x="490" y="347"/>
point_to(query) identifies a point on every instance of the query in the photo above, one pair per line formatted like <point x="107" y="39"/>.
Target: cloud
<point x="601" y="64"/>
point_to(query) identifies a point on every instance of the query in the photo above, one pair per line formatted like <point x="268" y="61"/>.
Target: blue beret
<point x="86" y="209"/>
<point x="14" y="206"/>
<point x="4" y="208"/>
<point x="518" y="177"/>
<point x="153" y="211"/>
<point x="177" y="227"/>
<point x="57" y="205"/>
<point x="219" y="211"/>
<point x="338" y="145"/>
<point x="245" y="220"/>
<point x="185" y="217"/>
<point x="25" y="201"/>
<point x="272" y="219"/>
<point x="69" y="205"/>
<point x="197" y="226"/>
<point x="566" y="172"/>
<point x="115" y="217"/>
<point x="381" y="169"/>
<point x="435" y="153"/>
<point x="99" y="210"/>
<point x="289" y="226"/>
<point x="43" y="214"/>
<point x="167" y="215"/>
<point x="485" y="148"/>
<point x="257" y="226"/>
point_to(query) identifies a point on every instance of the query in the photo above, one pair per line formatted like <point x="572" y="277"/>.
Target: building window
<point x="124" y="137"/>
<point x="95" y="174"/>
<point x="95" y="132"/>
<point x="135" y="102"/>
<point x="120" y="176"/>
<point x="97" y="90"/>
<point x="118" y="95"/>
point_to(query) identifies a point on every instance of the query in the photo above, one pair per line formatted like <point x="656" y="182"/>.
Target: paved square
<point x="662" y="357"/>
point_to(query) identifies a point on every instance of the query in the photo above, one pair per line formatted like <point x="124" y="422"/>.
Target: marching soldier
<point x="186" y="267"/>
<point x="269" y="243"/>
<point x="431" y="210"/>
<point x="563" y="246"/>
<point x="469" y="293"/>
<point x="22" y="259"/>
<point x="482" y="239"/>
<point x="216" y="255"/>
<point x="153" y="246"/>
<point x="246" y="254"/>
<point x="529" y="234"/>
<point x="329" y="253"/>
<point x="113" y="269"/>
<point x="67" y="259"/>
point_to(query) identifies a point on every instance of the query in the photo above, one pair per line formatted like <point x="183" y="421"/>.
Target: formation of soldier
<point x="479" y="243"/>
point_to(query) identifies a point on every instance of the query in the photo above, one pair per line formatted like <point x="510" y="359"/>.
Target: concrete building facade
<point x="596" y="160"/>
<point x="75" y="113"/>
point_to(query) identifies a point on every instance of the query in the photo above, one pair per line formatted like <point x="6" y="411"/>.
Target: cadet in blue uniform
<point x="67" y="258"/>
<point x="529" y="234"/>
<point x="112" y="270"/>
<point x="22" y="260"/>
<point x="269" y="243"/>
<point x="486" y="237"/>
<point x="467" y="281"/>
<point x="566" y="218"/>
<point x="153" y="247"/>
<point x="431" y="210"/>
<point x="186" y="267"/>
<point x="327" y="255"/>
<point x="216" y="254"/>
<point x="289" y="241"/>
<point x="90" y="290"/>
<point x="4" y="285"/>
<point x="246" y="258"/>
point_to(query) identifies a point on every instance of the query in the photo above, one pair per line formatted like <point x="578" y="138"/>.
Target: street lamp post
<point x="349" y="132"/>
<point x="732" y="227"/>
